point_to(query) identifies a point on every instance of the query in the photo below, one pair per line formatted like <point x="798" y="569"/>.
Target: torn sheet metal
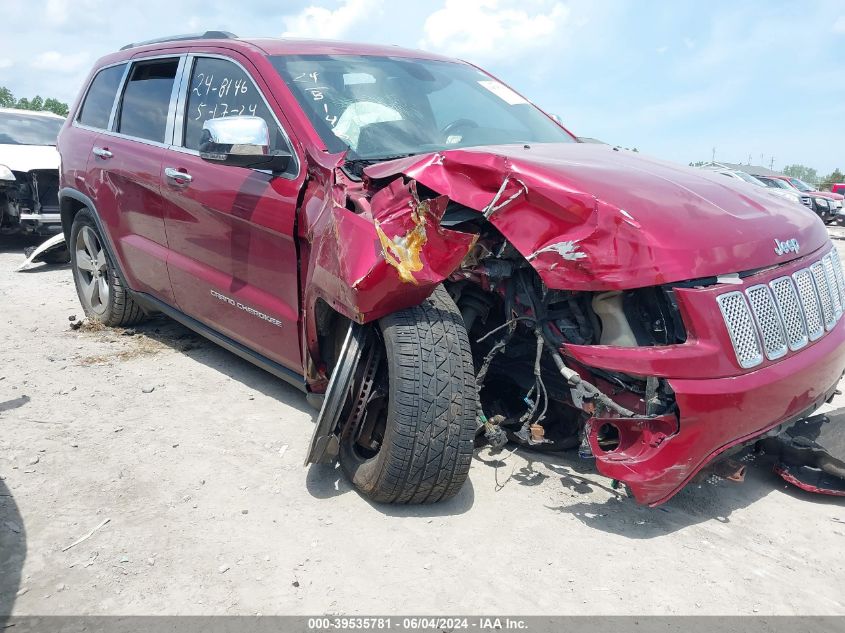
<point x="636" y="221"/>
<point x="385" y="255"/>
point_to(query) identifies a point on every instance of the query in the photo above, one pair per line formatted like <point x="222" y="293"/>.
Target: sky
<point x="764" y="80"/>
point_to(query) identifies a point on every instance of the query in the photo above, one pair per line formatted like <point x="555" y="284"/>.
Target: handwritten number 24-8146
<point x="205" y="87"/>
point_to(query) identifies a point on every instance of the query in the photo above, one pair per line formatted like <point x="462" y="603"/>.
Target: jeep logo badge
<point x="789" y="246"/>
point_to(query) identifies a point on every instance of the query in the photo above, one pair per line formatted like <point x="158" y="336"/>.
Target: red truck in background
<point x="434" y="260"/>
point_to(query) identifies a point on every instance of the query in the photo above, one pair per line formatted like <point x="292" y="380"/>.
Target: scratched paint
<point x="567" y="250"/>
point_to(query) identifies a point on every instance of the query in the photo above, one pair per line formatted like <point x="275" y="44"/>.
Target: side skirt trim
<point x="152" y="304"/>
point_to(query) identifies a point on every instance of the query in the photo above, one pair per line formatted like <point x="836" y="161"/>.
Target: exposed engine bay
<point x="527" y="393"/>
<point x="30" y="204"/>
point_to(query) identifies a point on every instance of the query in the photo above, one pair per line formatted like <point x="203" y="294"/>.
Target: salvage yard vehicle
<point x="435" y="261"/>
<point x="825" y="203"/>
<point x="783" y="192"/>
<point x="29" y="172"/>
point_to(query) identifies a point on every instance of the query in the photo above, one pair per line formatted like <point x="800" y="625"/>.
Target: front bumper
<point x="719" y="404"/>
<point x="716" y="415"/>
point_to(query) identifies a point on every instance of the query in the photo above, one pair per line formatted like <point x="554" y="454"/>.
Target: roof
<point x="273" y="46"/>
<point x="754" y="170"/>
<point x="43" y="113"/>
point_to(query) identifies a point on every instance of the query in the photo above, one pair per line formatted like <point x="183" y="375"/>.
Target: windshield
<point x="384" y="107"/>
<point x="28" y="129"/>
<point x="800" y="185"/>
<point x="776" y="183"/>
<point x="749" y="178"/>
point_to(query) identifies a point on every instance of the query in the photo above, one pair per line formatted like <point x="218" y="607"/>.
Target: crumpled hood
<point x="589" y="217"/>
<point x="28" y="157"/>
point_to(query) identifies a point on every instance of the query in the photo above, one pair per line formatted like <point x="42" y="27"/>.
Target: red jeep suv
<point x="436" y="261"/>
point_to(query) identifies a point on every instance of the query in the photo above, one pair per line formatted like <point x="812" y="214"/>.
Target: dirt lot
<point x="194" y="459"/>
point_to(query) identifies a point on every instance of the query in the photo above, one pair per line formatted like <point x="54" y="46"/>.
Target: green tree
<point x="832" y="178"/>
<point x="807" y="174"/>
<point x="7" y="99"/>
<point x="56" y="107"/>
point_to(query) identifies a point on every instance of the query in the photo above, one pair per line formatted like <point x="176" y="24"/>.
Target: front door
<point x="230" y="230"/>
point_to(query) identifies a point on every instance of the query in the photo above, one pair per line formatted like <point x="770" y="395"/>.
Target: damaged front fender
<point x="383" y="254"/>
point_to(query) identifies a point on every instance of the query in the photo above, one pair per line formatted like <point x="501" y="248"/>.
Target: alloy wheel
<point x="92" y="270"/>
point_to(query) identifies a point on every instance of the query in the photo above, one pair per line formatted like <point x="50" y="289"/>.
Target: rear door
<point x="77" y="138"/>
<point x="125" y="172"/>
<point x="233" y="258"/>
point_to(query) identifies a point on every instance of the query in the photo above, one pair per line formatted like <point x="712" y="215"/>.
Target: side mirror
<point x="241" y="141"/>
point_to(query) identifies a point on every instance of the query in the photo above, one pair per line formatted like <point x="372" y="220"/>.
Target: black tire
<point x="429" y="426"/>
<point x="118" y="308"/>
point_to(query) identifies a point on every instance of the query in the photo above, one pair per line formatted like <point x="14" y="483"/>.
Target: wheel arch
<point x="71" y="201"/>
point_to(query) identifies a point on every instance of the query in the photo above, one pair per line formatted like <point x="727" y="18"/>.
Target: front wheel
<point x="412" y="437"/>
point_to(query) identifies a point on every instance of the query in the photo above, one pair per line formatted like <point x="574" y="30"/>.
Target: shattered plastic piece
<point x="53" y="244"/>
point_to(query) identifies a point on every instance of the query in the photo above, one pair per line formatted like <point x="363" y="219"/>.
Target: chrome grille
<point x="840" y="279"/>
<point x="830" y="271"/>
<point x="741" y="328"/>
<point x="786" y="297"/>
<point x="833" y="284"/>
<point x="820" y="279"/>
<point x="768" y="320"/>
<point x="810" y="303"/>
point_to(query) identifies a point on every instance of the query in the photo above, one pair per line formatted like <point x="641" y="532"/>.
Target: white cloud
<point x="662" y="50"/>
<point x="61" y="63"/>
<point x="57" y="11"/>
<point x="839" y="25"/>
<point x="5" y="62"/>
<point x="319" y="22"/>
<point x="492" y="29"/>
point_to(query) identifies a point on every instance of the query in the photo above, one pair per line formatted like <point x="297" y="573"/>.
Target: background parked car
<point x="838" y="187"/>
<point x="823" y="206"/>
<point x="788" y="192"/>
<point x="29" y="172"/>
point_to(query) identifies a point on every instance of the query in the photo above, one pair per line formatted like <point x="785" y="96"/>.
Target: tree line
<point x="8" y="100"/>
<point x="810" y="175"/>
<point x="807" y="174"/>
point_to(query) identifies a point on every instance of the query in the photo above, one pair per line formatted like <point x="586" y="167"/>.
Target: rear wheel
<point x="409" y="437"/>
<point x="101" y="292"/>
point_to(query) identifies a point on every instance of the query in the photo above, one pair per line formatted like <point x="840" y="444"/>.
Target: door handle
<point x="178" y="177"/>
<point x="102" y="152"/>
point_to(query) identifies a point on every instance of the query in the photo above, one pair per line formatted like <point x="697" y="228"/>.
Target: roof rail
<point x="208" y="35"/>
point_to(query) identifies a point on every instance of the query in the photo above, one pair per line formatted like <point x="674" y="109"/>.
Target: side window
<point x="146" y="99"/>
<point x="220" y="88"/>
<point x="96" y="109"/>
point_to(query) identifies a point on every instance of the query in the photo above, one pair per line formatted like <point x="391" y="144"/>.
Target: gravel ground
<point x="189" y="461"/>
